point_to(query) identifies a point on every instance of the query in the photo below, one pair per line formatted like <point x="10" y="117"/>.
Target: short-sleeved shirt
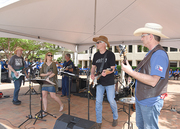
<point x="109" y="61"/>
<point x="159" y="63"/>
<point x="69" y="63"/>
<point x="16" y="62"/>
<point x="177" y="72"/>
<point x="51" y="68"/>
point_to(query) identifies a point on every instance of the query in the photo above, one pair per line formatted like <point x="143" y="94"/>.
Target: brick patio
<point x="79" y="108"/>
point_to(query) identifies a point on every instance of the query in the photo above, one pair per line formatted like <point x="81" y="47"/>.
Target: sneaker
<point x="99" y="125"/>
<point x="16" y="102"/>
<point x="62" y="95"/>
<point x="115" y="122"/>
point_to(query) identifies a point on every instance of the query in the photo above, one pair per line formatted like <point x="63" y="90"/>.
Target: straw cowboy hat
<point x="150" y="28"/>
<point x="18" y="48"/>
<point x="102" y="38"/>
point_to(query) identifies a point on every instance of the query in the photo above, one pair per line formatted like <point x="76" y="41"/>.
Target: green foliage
<point x="59" y="59"/>
<point x="140" y="48"/>
<point x="119" y="68"/>
<point x="79" y="65"/>
<point x="174" y="68"/>
<point x="32" y="49"/>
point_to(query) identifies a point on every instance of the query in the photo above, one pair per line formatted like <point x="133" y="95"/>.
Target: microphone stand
<point x="88" y="74"/>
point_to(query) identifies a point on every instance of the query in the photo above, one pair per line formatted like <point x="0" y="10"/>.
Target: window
<point x="117" y="62"/>
<point x="139" y="48"/>
<point x="130" y="62"/>
<point x="116" y="50"/>
<point x="130" y="48"/>
<point x="145" y="49"/>
<point x="173" y="63"/>
<point x="165" y="48"/>
<point x="110" y="49"/>
<point x="138" y="62"/>
<point x="173" y="49"/>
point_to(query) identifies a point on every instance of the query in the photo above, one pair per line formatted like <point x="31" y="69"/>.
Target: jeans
<point x="110" y="90"/>
<point x="65" y="85"/>
<point x="17" y="85"/>
<point x="147" y="117"/>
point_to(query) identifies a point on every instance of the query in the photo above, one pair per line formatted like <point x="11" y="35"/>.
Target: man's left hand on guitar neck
<point x="106" y="72"/>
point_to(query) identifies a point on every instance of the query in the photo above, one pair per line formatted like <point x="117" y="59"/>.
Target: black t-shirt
<point x="109" y="61"/>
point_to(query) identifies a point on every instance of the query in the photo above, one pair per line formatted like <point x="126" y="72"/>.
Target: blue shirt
<point x="40" y="65"/>
<point x="68" y="64"/>
<point x="170" y="72"/>
<point x="37" y="65"/>
<point x="159" y="64"/>
<point x="176" y="72"/>
<point x="2" y="64"/>
<point x="26" y="64"/>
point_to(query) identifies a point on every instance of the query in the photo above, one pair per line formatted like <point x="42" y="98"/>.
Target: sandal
<point x="61" y="108"/>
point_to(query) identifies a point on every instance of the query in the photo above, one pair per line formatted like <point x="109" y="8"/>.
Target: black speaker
<point x="82" y="83"/>
<point x="71" y="122"/>
<point x="75" y="86"/>
<point x="4" y="76"/>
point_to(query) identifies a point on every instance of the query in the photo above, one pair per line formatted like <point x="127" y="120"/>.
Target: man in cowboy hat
<point x="17" y="63"/>
<point x="152" y="77"/>
<point x="106" y="81"/>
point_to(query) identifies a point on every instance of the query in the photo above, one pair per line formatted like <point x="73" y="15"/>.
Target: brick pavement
<point x="79" y="108"/>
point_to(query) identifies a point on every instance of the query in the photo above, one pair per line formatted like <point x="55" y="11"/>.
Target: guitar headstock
<point x="122" y="50"/>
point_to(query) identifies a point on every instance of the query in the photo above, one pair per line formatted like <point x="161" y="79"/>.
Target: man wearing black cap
<point x="106" y="81"/>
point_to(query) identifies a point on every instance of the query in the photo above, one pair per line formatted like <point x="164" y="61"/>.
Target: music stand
<point x="30" y="115"/>
<point x="69" y="75"/>
<point x="39" y="114"/>
<point x="31" y="88"/>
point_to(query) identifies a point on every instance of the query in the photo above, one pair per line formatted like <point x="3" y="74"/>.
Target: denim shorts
<point x="49" y="89"/>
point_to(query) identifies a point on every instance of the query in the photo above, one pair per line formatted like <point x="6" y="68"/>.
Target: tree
<point x="8" y="45"/>
<point x="32" y="49"/>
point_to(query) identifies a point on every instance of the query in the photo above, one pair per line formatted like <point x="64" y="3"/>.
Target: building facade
<point x="134" y="54"/>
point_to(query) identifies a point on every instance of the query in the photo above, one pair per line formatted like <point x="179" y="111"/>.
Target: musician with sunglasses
<point x="49" y="72"/>
<point x="151" y="76"/>
<point x="102" y="60"/>
<point x="16" y="64"/>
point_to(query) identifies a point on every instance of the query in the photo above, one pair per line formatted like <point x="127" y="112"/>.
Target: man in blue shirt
<point x="69" y="66"/>
<point x="176" y="74"/>
<point x="2" y="66"/>
<point x="152" y="77"/>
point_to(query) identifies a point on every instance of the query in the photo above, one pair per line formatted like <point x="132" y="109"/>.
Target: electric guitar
<point x="63" y="69"/>
<point x="20" y="73"/>
<point x="122" y="50"/>
<point x="97" y="76"/>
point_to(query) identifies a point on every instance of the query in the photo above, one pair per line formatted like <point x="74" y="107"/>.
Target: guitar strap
<point x="102" y="65"/>
<point x="68" y="63"/>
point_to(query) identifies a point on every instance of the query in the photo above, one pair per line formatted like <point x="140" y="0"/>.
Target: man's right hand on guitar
<point x="16" y="74"/>
<point x="92" y="76"/>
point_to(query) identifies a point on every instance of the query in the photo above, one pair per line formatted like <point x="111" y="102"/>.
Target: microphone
<point x="92" y="46"/>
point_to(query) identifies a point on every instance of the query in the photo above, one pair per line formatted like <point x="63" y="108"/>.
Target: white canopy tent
<point x="73" y="23"/>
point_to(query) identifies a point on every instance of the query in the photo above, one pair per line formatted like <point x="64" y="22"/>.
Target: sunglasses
<point x="99" y="42"/>
<point x="143" y="35"/>
<point x="50" y="55"/>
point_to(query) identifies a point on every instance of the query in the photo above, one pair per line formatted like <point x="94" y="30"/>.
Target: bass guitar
<point x="97" y="76"/>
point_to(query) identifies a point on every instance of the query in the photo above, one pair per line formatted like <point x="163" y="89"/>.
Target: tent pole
<point x="76" y="56"/>
<point x="95" y="6"/>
